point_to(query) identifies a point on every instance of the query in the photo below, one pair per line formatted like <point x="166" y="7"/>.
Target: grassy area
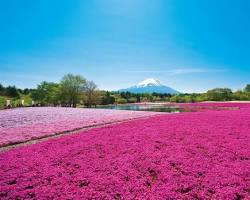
<point x="15" y="101"/>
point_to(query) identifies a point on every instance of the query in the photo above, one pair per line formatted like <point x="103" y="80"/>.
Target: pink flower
<point x="23" y="124"/>
<point x="197" y="155"/>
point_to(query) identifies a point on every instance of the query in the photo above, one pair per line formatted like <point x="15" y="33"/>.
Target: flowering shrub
<point x="23" y="124"/>
<point x="198" y="155"/>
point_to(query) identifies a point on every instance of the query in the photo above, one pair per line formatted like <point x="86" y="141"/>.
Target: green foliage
<point x="108" y="99"/>
<point x="27" y="100"/>
<point x="125" y="95"/>
<point x="92" y="96"/>
<point x="74" y="89"/>
<point x="11" y="91"/>
<point x="247" y="88"/>
<point x="2" y="102"/>
<point x="241" y="96"/>
<point x="121" y="101"/>
<point x="72" y="86"/>
<point x="177" y="99"/>
<point x="201" y="97"/>
<point x="2" y="90"/>
<point x="47" y="93"/>
<point x="132" y="100"/>
<point x="219" y="94"/>
<point x="188" y="99"/>
<point x="166" y="99"/>
<point x="26" y="91"/>
<point x="16" y="102"/>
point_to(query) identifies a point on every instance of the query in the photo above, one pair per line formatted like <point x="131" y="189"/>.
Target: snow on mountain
<point x="149" y="82"/>
<point x="149" y="86"/>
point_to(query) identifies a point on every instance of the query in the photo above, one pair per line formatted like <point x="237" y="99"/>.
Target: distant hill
<point x="150" y="85"/>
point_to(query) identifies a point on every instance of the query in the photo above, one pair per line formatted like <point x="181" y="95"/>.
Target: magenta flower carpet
<point x="24" y="124"/>
<point x="199" y="155"/>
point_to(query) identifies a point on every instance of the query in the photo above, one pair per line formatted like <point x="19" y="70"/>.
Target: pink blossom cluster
<point x="211" y="105"/>
<point x="23" y="124"/>
<point x="197" y="155"/>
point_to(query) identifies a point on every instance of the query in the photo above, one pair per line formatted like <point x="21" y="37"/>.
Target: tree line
<point x="71" y="91"/>
<point x="75" y="90"/>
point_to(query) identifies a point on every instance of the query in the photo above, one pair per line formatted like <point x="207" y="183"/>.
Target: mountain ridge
<point x="150" y="85"/>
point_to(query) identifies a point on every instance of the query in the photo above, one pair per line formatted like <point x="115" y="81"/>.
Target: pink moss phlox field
<point x="23" y="124"/>
<point x="214" y="105"/>
<point x="198" y="155"/>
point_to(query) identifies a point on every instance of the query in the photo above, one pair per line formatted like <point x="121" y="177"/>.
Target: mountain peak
<point x="149" y="82"/>
<point x="150" y="85"/>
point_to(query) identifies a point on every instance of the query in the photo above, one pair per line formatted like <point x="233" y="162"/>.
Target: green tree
<point x="108" y="99"/>
<point x="72" y="86"/>
<point x="2" y="89"/>
<point x="138" y="98"/>
<point x="121" y="101"/>
<point x="219" y="94"/>
<point x="11" y="91"/>
<point x="132" y="100"/>
<point x="174" y="99"/>
<point x="47" y="93"/>
<point x="188" y="98"/>
<point x="91" y="93"/>
<point x="26" y="91"/>
<point x="2" y="102"/>
<point x="247" y="88"/>
<point x="240" y="95"/>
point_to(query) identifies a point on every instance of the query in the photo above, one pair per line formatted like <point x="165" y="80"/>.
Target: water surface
<point x="164" y="107"/>
<point x="146" y="107"/>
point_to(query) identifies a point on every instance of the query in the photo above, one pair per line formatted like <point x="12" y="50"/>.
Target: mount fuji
<point x="149" y="86"/>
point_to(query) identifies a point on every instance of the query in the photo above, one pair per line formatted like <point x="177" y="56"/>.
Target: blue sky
<point x="190" y="45"/>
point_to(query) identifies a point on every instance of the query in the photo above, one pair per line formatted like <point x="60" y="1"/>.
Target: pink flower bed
<point x="199" y="155"/>
<point x="214" y="105"/>
<point x="23" y="124"/>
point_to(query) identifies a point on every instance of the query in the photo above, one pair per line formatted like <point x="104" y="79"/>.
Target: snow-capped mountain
<point x="149" y="86"/>
<point x="149" y="82"/>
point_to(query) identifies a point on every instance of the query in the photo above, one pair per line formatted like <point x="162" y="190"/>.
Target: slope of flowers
<point x="214" y="105"/>
<point x="23" y="124"/>
<point x="200" y="155"/>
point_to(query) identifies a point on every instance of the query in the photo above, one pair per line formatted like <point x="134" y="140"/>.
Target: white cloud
<point x="178" y="71"/>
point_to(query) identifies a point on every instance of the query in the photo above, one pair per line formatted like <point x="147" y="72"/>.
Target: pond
<point x="156" y="107"/>
<point x="147" y="107"/>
